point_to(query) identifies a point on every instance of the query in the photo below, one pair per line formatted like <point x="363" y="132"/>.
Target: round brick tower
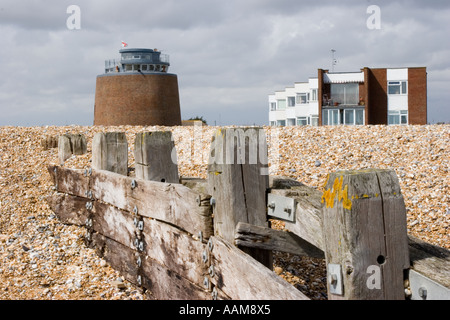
<point x="137" y="90"/>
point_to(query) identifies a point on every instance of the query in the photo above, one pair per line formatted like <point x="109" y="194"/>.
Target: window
<point x="398" y="117"/>
<point x="291" y="101"/>
<point x="330" y="117"/>
<point x="353" y="116"/>
<point x="359" y="116"/>
<point x="129" y="67"/>
<point x="302" y="121"/>
<point x="313" y="94"/>
<point x="349" y="116"/>
<point x="281" y="123"/>
<point x="273" y="106"/>
<point x="281" y="104"/>
<point x="397" y="87"/>
<point x="302" y="98"/>
<point x="144" y="67"/>
<point x="273" y="123"/>
<point x="314" y="120"/>
<point x="291" y="122"/>
<point x="345" y="93"/>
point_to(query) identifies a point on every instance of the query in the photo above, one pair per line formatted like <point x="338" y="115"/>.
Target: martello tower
<point x="137" y="90"/>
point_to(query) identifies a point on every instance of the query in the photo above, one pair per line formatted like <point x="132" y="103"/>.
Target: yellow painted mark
<point x="342" y="194"/>
<point x="365" y="195"/>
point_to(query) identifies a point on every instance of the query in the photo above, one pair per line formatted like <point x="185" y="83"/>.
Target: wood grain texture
<point x="248" y="235"/>
<point x="238" y="182"/>
<point x="242" y="277"/>
<point x="110" y="152"/>
<point x="156" y="157"/>
<point x="361" y="221"/>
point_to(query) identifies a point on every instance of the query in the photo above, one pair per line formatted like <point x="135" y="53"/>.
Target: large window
<point x="291" y="101"/>
<point x="302" y="121"/>
<point x="330" y="117"/>
<point x="273" y="106"/>
<point x="291" y="121"/>
<point x="302" y="98"/>
<point x="398" y="117"/>
<point x="397" y="87"/>
<point x="281" y="104"/>
<point x="313" y="94"/>
<point x="281" y="123"/>
<point x="345" y="93"/>
<point x="333" y="117"/>
<point x="353" y="117"/>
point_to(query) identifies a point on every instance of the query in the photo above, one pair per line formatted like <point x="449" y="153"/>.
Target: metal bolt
<point x="214" y="294"/>
<point x="333" y="279"/>
<point x="141" y="246"/>
<point x="212" y="201"/>
<point x="200" y="236"/>
<point x="423" y="292"/>
<point x="205" y="256"/>
<point x="139" y="280"/>
<point x="135" y="221"/>
<point x="271" y="205"/>
<point x="139" y="261"/>
<point x="210" y="245"/>
<point x="133" y="184"/>
<point x="211" y="271"/>
<point x="135" y="210"/>
<point x="89" y="205"/>
<point x="288" y="210"/>
<point x="206" y="282"/>
<point x="140" y="225"/>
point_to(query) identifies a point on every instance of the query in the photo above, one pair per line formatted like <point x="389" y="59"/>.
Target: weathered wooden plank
<point x="156" y="157"/>
<point x="356" y="228"/>
<point x="70" y="181"/>
<point x="248" y="235"/>
<point x="430" y="260"/>
<point x="172" y="203"/>
<point x="238" y="181"/>
<point x="110" y="152"/>
<point x="241" y="277"/>
<point x="163" y="283"/>
<point x="69" y="209"/>
<point x="308" y="216"/>
<point x="168" y="245"/>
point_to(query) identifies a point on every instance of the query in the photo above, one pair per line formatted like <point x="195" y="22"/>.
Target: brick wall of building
<point x="137" y="99"/>
<point x="377" y="112"/>
<point x="417" y="96"/>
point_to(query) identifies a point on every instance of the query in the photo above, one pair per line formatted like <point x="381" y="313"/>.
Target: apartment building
<point x="394" y="96"/>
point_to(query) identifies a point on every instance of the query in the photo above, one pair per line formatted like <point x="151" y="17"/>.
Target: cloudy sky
<point x="228" y="55"/>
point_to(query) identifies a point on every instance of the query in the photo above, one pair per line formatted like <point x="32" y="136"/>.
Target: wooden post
<point x="110" y="152"/>
<point x="156" y="157"/>
<point x="69" y="144"/>
<point x="365" y="235"/>
<point x="238" y="181"/>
